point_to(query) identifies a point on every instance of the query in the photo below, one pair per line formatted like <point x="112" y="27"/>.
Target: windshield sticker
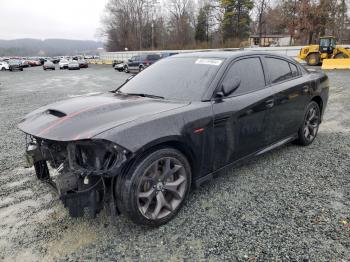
<point x="214" y="62"/>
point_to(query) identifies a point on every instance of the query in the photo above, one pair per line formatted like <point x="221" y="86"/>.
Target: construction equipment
<point x="327" y="53"/>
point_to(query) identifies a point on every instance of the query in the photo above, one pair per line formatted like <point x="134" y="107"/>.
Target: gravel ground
<point x="291" y="204"/>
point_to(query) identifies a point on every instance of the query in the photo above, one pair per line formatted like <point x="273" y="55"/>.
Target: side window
<point x="279" y="69"/>
<point x="250" y="72"/>
<point x="294" y="70"/>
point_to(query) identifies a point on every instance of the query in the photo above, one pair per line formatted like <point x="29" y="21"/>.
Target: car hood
<point x="87" y="116"/>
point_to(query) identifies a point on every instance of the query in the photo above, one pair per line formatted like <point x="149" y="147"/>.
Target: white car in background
<point x="63" y="64"/>
<point x="73" y="65"/>
<point x="4" y="66"/>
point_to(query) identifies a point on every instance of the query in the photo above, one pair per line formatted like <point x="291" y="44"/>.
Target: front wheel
<point x="308" y="131"/>
<point x="155" y="188"/>
<point x="313" y="59"/>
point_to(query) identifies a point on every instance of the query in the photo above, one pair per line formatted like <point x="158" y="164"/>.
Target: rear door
<point x="239" y="119"/>
<point x="290" y="90"/>
<point x="134" y="63"/>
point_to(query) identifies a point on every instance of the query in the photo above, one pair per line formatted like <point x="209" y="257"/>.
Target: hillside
<point x="47" y="47"/>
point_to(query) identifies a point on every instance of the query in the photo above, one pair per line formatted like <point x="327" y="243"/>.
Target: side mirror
<point x="228" y="87"/>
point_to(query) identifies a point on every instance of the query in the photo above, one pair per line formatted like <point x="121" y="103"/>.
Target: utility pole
<point x="152" y="25"/>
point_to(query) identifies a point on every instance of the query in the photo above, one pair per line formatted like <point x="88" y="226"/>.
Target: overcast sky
<point x="71" y="19"/>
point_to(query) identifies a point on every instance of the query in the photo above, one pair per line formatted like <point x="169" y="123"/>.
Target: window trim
<point x="269" y="82"/>
<point x="228" y="68"/>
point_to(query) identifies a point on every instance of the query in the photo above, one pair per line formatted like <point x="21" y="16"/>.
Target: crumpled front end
<point x="82" y="172"/>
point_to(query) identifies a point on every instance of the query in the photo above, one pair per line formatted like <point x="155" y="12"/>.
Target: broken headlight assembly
<point x="82" y="172"/>
<point x="95" y="157"/>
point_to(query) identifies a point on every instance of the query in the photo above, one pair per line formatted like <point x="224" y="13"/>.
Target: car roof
<point x="227" y="54"/>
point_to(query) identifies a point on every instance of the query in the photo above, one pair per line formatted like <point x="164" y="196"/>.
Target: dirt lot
<point x="292" y="204"/>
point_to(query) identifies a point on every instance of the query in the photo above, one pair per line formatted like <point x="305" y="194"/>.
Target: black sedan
<point x="138" y="149"/>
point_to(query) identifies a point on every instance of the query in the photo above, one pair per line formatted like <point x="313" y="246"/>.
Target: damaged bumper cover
<point x="82" y="172"/>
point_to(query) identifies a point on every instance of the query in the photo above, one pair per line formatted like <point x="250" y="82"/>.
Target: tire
<point x="148" y="194"/>
<point x="126" y="69"/>
<point x="313" y="59"/>
<point x="3" y="69"/>
<point x="308" y="131"/>
<point x="141" y="68"/>
<point x="341" y="56"/>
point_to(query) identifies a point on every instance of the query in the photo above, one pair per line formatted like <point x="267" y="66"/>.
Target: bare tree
<point x="261" y="7"/>
<point x="180" y="21"/>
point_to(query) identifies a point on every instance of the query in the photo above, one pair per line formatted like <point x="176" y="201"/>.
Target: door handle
<point x="269" y="103"/>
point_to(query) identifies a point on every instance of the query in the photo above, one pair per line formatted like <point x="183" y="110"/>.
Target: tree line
<point x="181" y="24"/>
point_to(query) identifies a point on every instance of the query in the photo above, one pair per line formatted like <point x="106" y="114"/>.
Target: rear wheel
<point x="126" y="69"/>
<point x="340" y="56"/>
<point x="3" y="69"/>
<point x="308" y="131"/>
<point x="155" y="188"/>
<point x="313" y="59"/>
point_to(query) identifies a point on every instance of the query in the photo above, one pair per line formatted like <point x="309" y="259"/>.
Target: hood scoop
<point x="55" y="113"/>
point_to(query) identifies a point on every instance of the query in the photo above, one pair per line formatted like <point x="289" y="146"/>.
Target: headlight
<point x="95" y="156"/>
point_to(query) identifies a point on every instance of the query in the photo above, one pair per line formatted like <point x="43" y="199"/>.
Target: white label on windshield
<point x="214" y="62"/>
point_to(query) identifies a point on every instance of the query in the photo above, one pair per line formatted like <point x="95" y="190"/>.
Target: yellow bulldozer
<point x="327" y="53"/>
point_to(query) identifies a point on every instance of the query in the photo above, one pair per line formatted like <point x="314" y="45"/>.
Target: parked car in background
<point x="83" y="63"/>
<point x="33" y="62"/>
<point x="120" y="67"/>
<point x="73" y="65"/>
<point x="115" y="62"/>
<point x="24" y="63"/>
<point x="15" y="65"/>
<point x="140" y="62"/>
<point x="55" y="60"/>
<point x="63" y="64"/>
<point x="4" y="65"/>
<point x="178" y="123"/>
<point x="49" y="65"/>
<point x="167" y="54"/>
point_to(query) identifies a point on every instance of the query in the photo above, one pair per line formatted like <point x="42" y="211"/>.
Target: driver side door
<point x="240" y="128"/>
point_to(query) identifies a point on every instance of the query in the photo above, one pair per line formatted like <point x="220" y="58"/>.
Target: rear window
<point x="279" y="70"/>
<point x="294" y="70"/>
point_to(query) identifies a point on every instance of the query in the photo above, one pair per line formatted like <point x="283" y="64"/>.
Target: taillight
<point x="146" y="62"/>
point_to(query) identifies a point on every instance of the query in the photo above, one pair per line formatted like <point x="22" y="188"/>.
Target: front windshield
<point x="178" y="78"/>
<point x="327" y="42"/>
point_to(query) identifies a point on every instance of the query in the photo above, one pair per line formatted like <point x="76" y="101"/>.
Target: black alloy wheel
<point x="308" y="131"/>
<point x="154" y="190"/>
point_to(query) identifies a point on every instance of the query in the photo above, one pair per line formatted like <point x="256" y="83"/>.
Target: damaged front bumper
<point x="82" y="172"/>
